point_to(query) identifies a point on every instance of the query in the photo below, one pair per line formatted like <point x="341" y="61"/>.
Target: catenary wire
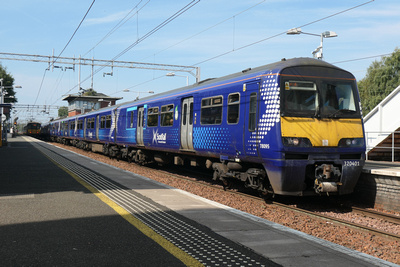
<point x="119" y="24"/>
<point x="282" y="33"/>
<point x="227" y="52"/>
<point x="361" y="58"/>
<point x="69" y="41"/>
<point x="148" y="34"/>
<point x="262" y="40"/>
<point x="209" y="28"/>
<point x="41" y="85"/>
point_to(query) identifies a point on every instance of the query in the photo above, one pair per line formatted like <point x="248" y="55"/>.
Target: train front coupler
<point x="327" y="179"/>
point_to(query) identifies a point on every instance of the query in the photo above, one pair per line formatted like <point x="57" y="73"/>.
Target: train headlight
<point x="351" y="142"/>
<point x="296" y="142"/>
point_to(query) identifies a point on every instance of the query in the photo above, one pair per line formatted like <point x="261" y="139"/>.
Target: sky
<point x="218" y="36"/>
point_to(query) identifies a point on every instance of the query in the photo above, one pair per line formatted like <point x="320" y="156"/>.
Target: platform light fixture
<point x="172" y="74"/>
<point x="138" y="96"/>
<point x="317" y="53"/>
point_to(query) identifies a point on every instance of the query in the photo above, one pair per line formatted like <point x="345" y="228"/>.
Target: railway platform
<point x="60" y="208"/>
<point x="379" y="185"/>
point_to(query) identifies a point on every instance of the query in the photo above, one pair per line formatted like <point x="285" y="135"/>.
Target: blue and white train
<point x="291" y="128"/>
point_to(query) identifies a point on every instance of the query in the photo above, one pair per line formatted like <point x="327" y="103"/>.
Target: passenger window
<point x="103" y="122"/>
<point x="108" y="121"/>
<point x="191" y="113"/>
<point x="131" y="119"/>
<point x="152" y="117"/>
<point x="184" y="113"/>
<point x="233" y="108"/>
<point x="211" y="110"/>
<point x="140" y="119"/>
<point x="167" y="115"/>
<point x="253" y="112"/>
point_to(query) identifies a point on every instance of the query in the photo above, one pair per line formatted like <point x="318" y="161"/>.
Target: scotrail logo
<point x="159" y="138"/>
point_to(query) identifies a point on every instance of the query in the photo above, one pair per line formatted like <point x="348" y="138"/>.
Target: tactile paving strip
<point x="208" y="248"/>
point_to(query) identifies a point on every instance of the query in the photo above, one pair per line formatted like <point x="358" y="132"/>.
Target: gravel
<point x="377" y="246"/>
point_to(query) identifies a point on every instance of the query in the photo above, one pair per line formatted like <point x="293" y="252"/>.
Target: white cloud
<point x="106" y="19"/>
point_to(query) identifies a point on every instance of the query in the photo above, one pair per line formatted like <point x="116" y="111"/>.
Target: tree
<point x="63" y="112"/>
<point x="382" y="78"/>
<point x="89" y="92"/>
<point x="8" y="82"/>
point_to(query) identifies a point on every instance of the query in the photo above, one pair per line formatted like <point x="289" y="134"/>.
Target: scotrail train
<point x="32" y="129"/>
<point x="291" y="128"/>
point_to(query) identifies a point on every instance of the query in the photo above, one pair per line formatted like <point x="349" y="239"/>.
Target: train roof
<point x="277" y="66"/>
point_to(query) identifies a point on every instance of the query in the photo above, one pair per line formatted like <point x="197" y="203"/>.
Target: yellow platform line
<point x="167" y="245"/>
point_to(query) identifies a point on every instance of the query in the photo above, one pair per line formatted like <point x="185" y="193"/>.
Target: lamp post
<point x="137" y="98"/>
<point x="172" y="74"/>
<point x="317" y="53"/>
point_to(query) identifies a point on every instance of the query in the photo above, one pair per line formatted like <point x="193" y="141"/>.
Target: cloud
<point x="107" y="19"/>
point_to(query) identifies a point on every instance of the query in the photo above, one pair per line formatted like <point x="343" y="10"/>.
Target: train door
<point x="251" y="95"/>
<point x="187" y="123"/>
<point x="84" y="128"/>
<point x="139" y="127"/>
<point x="97" y="125"/>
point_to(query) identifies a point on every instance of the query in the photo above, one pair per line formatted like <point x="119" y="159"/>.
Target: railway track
<point x="360" y="211"/>
<point x="331" y="219"/>
<point x="377" y="215"/>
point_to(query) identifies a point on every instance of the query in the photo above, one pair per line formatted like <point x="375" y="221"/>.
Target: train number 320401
<point x="351" y="163"/>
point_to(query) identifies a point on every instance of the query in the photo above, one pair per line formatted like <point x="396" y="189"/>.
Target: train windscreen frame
<point x="317" y="92"/>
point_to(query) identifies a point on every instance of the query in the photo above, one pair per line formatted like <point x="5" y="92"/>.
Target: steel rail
<point x="377" y="215"/>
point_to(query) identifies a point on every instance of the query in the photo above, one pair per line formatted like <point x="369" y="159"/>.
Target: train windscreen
<point x="319" y="96"/>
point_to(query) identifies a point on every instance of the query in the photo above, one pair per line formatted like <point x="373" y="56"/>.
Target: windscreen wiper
<point x="343" y="111"/>
<point x="317" y="113"/>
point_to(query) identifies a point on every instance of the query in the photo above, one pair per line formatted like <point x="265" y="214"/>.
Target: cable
<point x="157" y="28"/>
<point x="282" y="33"/>
<point x="209" y="28"/>
<point x="338" y="13"/>
<point x="118" y="25"/>
<point x="265" y="39"/>
<point x="362" y="58"/>
<point x="184" y="9"/>
<point x="41" y="84"/>
<point x="151" y="32"/>
<point x="70" y="39"/>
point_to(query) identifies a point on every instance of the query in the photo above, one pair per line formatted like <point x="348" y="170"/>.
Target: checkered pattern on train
<point x="173" y="137"/>
<point x="211" y="138"/>
<point x="269" y="117"/>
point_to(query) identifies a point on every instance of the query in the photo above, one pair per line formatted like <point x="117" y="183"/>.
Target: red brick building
<point x="78" y="104"/>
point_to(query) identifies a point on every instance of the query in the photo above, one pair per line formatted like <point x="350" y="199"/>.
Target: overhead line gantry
<point x="51" y="60"/>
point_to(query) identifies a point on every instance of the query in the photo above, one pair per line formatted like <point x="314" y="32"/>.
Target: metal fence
<point x="370" y="136"/>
